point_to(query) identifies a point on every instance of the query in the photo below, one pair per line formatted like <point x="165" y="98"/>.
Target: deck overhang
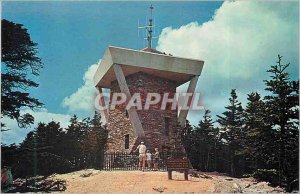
<point x="177" y="69"/>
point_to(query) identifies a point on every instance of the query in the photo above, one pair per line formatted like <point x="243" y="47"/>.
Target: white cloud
<point x="238" y="45"/>
<point x="17" y="135"/>
<point x="83" y="98"/>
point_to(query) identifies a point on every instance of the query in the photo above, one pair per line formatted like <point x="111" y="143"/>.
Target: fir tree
<point x="282" y="110"/>
<point x="94" y="140"/>
<point x="186" y="138"/>
<point x="232" y="124"/>
<point x="206" y="136"/>
<point x="258" y="137"/>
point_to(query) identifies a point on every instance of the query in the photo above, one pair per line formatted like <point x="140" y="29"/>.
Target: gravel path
<point x="91" y="180"/>
<point x="133" y="181"/>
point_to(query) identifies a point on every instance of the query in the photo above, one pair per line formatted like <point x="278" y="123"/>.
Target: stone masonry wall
<point x="119" y="126"/>
<point x="153" y="120"/>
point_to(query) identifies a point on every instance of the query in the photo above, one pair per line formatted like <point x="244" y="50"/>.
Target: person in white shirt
<point x="142" y="155"/>
<point x="148" y="158"/>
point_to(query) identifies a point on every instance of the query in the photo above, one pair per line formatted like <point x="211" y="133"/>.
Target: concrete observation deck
<point x="180" y="70"/>
<point x="117" y="63"/>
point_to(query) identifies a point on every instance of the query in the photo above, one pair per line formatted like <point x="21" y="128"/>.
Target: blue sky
<point x="73" y="35"/>
<point x="237" y="40"/>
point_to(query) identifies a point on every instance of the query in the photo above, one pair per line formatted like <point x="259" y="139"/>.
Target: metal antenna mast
<point x="149" y="28"/>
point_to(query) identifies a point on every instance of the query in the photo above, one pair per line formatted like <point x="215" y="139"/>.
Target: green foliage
<point x="231" y="131"/>
<point x="51" y="149"/>
<point x="257" y="133"/>
<point x="267" y="174"/>
<point x="232" y="121"/>
<point x="19" y="61"/>
<point x="282" y="107"/>
<point x="201" y="143"/>
<point x="262" y="140"/>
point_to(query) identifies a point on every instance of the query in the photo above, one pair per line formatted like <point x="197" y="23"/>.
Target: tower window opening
<point x="169" y="106"/>
<point x="167" y="125"/>
<point x="126" y="141"/>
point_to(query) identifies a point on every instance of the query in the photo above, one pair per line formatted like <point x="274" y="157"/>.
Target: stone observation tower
<point x="144" y="71"/>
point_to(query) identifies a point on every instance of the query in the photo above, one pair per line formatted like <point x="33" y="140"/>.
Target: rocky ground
<point x="136" y="181"/>
<point x="227" y="184"/>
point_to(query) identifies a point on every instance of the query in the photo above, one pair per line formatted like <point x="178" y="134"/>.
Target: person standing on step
<point x="142" y="155"/>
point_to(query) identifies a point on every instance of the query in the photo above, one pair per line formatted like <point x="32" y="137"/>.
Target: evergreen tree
<point x="73" y="139"/>
<point x="186" y="138"/>
<point x="258" y="138"/>
<point x="50" y="149"/>
<point x="96" y="120"/>
<point x="49" y="137"/>
<point x="19" y="57"/>
<point x="232" y="124"/>
<point x="201" y="143"/>
<point x="206" y="136"/>
<point x="282" y="111"/>
<point x="26" y="162"/>
<point x="186" y="134"/>
<point x="95" y="140"/>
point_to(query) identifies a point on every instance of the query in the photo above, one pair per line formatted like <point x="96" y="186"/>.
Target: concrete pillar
<point x="132" y="112"/>
<point x="104" y="113"/>
<point x="183" y="113"/>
